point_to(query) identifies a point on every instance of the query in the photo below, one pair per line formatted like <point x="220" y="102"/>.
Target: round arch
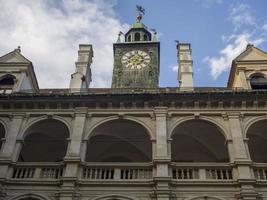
<point x="112" y="118"/>
<point x="205" y="197"/>
<point x="220" y="127"/>
<point x="119" y="140"/>
<point x="45" y="141"/>
<point x="30" y="196"/>
<point x="258" y="80"/>
<point x="7" y="80"/>
<point x="257" y="143"/>
<point x="198" y="140"/>
<point x="23" y="133"/>
<point x="115" y="196"/>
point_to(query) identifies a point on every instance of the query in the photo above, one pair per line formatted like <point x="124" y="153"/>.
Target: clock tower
<point x="136" y="57"/>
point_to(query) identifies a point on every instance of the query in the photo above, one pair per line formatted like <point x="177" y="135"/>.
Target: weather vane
<point x="141" y="12"/>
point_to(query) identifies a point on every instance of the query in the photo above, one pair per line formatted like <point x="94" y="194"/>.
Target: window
<point x="258" y="82"/>
<point x="146" y="38"/>
<point x="129" y="38"/>
<point x="7" y="80"/>
<point x="137" y="37"/>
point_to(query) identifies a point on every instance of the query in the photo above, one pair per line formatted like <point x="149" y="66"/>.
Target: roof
<point x="250" y="54"/>
<point x="14" y="57"/>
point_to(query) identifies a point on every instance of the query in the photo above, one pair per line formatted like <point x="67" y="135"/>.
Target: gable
<point x="252" y="53"/>
<point x="14" y="57"/>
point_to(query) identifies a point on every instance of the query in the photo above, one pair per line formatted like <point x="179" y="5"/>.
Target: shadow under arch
<point x="115" y="197"/>
<point x="198" y="140"/>
<point x="29" y="196"/>
<point x="119" y="140"/>
<point x="257" y="143"/>
<point x="45" y="141"/>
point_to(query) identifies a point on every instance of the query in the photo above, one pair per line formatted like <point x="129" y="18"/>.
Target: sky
<point x="50" y="31"/>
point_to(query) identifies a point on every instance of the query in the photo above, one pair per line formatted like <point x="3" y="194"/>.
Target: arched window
<point x="146" y="38"/>
<point x="137" y="37"/>
<point x="257" y="142"/>
<point x="129" y="39"/>
<point x="198" y="141"/>
<point x="119" y="141"/>
<point x="2" y="134"/>
<point x="7" y="80"/>
<point x="45" y="141"/>
<point x="258" y="82"/>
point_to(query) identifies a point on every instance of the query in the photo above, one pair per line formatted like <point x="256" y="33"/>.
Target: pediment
<point x="251" y="54"/>
<point x="14" y="57"/>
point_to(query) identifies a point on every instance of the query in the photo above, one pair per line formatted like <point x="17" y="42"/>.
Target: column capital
<point x="232" y="115"/>
<point x="81" y="110"/>
<point x="160" y="110"/>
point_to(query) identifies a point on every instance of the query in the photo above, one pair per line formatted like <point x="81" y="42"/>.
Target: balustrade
<point x="119" y="172"/>
<point x="185" y="171"/>
<point x="37" y="171"/>
<point x="260" y="172"/>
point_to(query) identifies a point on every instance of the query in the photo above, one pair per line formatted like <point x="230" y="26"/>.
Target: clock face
<point x="135" y="59"/>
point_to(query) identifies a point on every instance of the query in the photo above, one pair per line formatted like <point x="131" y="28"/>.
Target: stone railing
<point x="36" y="171"/>
<point x="198" y="171"/>
<point x="116" y="171"/>
<point x="260" y="172"/>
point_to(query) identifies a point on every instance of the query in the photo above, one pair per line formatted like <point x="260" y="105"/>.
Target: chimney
<point x="185" y="70"/>
<point x="82" y="77"/>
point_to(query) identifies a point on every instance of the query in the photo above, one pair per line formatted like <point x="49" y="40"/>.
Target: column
<point x="73" y="158"/>
<point x="162" y="159"/>
<point x="8" y="152"/>
<point x="240" y="157"/>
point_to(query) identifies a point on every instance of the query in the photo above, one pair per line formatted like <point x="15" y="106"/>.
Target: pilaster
<point x="162" y="159"/>
<point x="8" y="152"/>
<point x="240" y="157"/>
<point x="73" y="156"/>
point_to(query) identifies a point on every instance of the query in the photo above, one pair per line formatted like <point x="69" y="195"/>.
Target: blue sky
<point x="49" y="32"/>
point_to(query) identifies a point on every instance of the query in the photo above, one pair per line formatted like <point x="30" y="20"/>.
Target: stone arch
<point x="29" y="196"/>
<point x="198" y="140"/>
<point x="115" y="196"/>
<point x="111" y="118"/>
<point x="205" y="197"/>
<point x="222" y="129"/>
<point x="119" y="140"/>
<point x="257" y="143"/>
<point x="45" y="141"/>
<point x="23" y="133"/>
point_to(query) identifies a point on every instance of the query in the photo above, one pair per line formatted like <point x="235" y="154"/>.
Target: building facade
<point x="135" y="140"/>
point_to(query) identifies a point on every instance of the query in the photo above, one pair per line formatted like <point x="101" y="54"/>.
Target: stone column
<point x="240" y="157"/>
<point x="72" y="159"/>
<point x="162" y="159"/>
<point x="7" y="155"/>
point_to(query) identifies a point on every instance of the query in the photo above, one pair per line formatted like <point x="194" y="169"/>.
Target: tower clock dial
<point x="135" y="59"/>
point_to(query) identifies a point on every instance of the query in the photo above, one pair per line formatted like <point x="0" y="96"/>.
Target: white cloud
<point x="236" y="46"/>
<point x="241" y="15"/>
<point x="49" y="33"/>
<point x="174" y="68"/>
<point x="264" y="27"/>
